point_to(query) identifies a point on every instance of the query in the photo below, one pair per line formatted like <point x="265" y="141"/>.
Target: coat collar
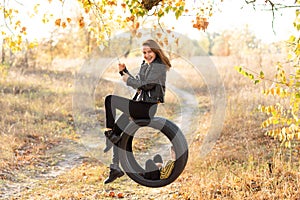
<point x="156" y="60"/>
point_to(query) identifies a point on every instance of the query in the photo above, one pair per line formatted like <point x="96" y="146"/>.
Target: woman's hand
<point x="121" y="67"/>
<point x="125" y="77"/>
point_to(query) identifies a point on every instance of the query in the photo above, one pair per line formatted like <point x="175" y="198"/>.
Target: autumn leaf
<point x="81" y="22"/>
<point x="137" y="25"/>
<point x="64" y="25"/>
<point x="112" y="194"/>
<point x="120" y="195"/>
<point x="18" y="23"/>
<point x="139" y="35"/>
<point x="57" y="22"/>
<point x="69" y="20"/>
<point x="166" y="41"/>
<point x="23" y="30"/>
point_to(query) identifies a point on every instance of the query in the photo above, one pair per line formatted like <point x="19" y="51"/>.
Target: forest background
<point x="45" y="46"/>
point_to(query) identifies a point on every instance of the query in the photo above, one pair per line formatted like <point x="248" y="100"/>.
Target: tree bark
<point x="3" y="53"/>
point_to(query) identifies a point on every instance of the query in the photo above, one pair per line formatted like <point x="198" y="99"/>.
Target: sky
<point x="259" y="21"/>
<point x="232" y="16"/>
<point x="236" y="14"/>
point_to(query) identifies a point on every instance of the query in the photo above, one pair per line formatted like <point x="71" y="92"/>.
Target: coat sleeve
<point x="151" y="79"/>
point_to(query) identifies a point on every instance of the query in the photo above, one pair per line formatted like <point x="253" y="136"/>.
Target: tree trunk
<point x="26" y="59"/>
<point x="11" y="58"/>
<point x="88" y="41"/>
<point x="3" y="53"/>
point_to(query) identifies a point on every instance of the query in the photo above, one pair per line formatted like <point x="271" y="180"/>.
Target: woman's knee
<point x="107" y="100"/>
<point x="152" y="111"/>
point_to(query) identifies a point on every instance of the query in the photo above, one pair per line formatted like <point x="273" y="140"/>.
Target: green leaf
<point x="261" y="75"/>
<point x="168" y="8"/>
<point x="160" y="13"/>
<point x="178" y="14"/>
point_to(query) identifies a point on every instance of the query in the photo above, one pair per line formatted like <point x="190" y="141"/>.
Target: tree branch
<point x="274" y="7"/>
<point x="19" y="3"/>
<point x="4" y="10"/>
<point x="273" y="14"/>
<point x="249" y="2"/>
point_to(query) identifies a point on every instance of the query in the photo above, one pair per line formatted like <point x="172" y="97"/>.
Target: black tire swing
<point x="130" y="164"/>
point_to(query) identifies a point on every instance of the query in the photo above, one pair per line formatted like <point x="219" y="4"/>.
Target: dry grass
<point x="35" y="115"/>
<point x="244" y="163"/>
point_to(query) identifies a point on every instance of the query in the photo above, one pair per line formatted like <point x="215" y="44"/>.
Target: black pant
<point x="129" y="108"/>
<point x="152" y="171"/>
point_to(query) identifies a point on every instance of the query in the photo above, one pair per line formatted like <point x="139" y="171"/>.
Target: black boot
<point x="112" y="136"/>
<point x="115" y="172"/>
<point x="108" y="143"/>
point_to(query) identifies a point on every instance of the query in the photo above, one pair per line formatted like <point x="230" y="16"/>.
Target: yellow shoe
<point x="166" y="171"/>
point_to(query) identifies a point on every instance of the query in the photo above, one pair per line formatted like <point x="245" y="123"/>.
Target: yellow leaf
<point x="18" y="23"/>
<point x="280" y="137"/>
<point x="272" y="90"/>
<point x="265" y="124"/>
<point x="261" y="108"/>
<point x="297" y="134"/>
<point x="32" y="45"/>
<point x="292" y="39"/>
<point x="290" y="56"/>
<point x="36" y="8"/>
<point x="283" y="130"/>
<point x="287" y="144"/>
<point x="278" y="91"/>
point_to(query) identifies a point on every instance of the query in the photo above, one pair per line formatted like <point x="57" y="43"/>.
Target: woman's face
<point x="149" y="55"/>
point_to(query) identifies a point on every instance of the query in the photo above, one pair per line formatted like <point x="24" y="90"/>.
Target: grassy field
<point x="36" y="117"/>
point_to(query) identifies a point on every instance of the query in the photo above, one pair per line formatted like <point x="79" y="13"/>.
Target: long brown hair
<point x="158" y="51"/>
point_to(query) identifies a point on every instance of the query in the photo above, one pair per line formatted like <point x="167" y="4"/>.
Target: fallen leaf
<point x="112" y="194"/>
<point x="120" y="195"/>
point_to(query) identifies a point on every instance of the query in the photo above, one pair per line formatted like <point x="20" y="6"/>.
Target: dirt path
<point x="68" y="154"/>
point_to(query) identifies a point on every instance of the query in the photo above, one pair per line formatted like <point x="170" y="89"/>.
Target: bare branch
<point x="158" y="22"/>
<point x="273" y="14"/>
<point x="282" y="6"/>
<point x="19" y="3"/>
<point x="249" y="2"/>
<point x="4" y="11"/>
<point x="274" y="7"/>
<point x="98" y="14"/>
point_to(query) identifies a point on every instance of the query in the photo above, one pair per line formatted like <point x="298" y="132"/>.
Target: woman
<point x="150" y="85"/>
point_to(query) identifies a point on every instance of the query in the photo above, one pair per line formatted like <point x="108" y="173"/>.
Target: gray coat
<point x="150" y="82"/>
